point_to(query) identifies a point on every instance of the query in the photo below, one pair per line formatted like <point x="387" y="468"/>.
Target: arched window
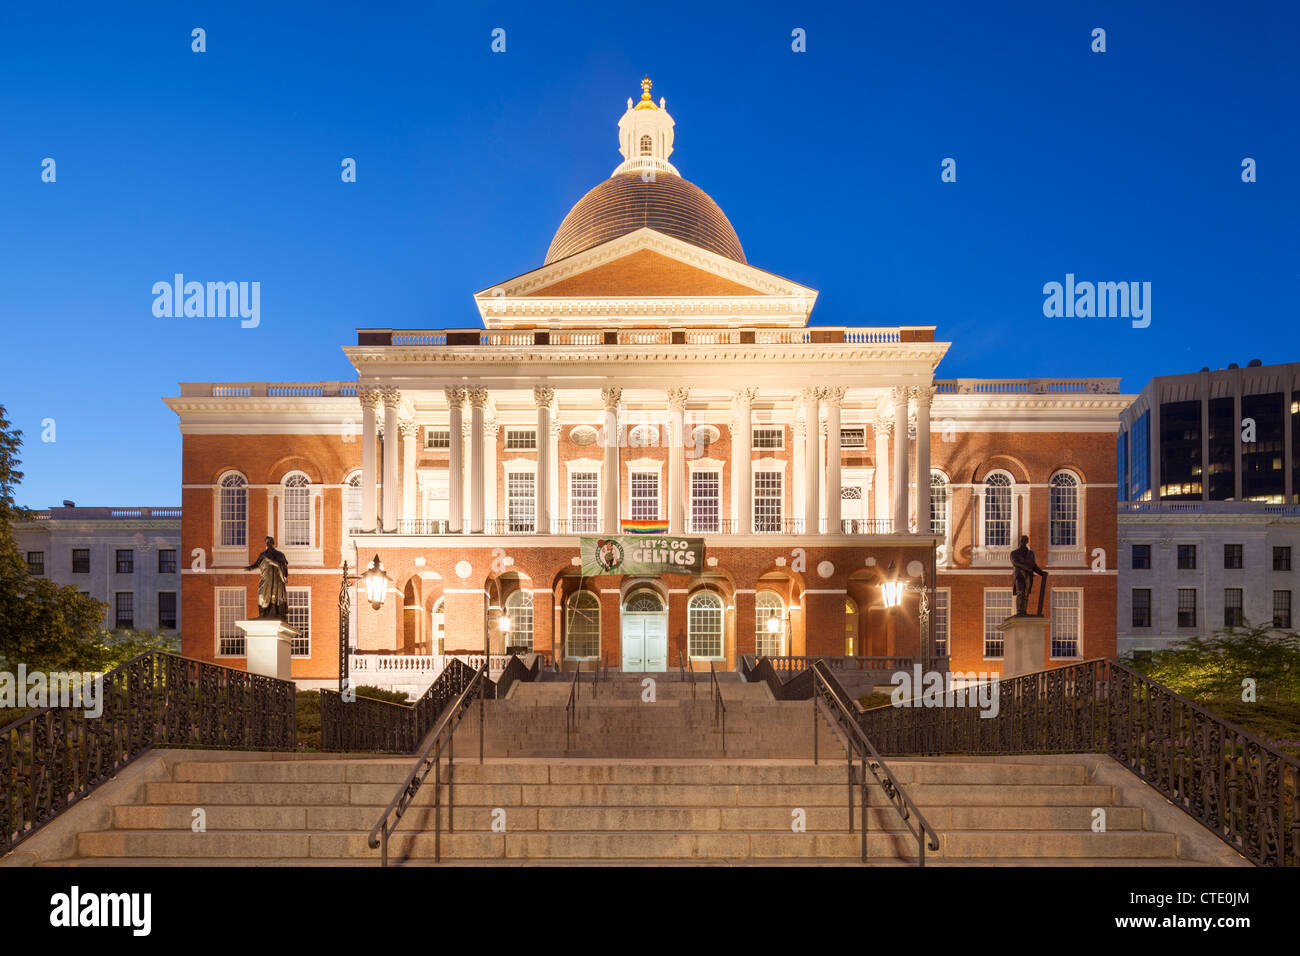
<point x="769" y="640"/>
<point x="644" y="602"/>
<point x="997" y="510"/>
<point x="646" y="146"/>
<point x="704" y="625"/>
<point x="519" y="608"/>
<point x="234" y="510"/>
<point x="1063" y="510"/>
<point x="582" y="635"/>
<point x="439" y="626"/>
<point x="938" y="504"/>
<point x="297" y="510"/>
<point x="851" y="623"/>
<point x="352" y="502"/>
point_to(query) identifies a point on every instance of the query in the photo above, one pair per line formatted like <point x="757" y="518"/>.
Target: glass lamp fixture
<point x="376" y="584"/>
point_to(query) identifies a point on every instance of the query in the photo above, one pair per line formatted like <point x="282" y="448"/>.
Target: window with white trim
<point x="646" y="146"/>
<point x="942" y="602"/>
<point x="645" y="495"/>
<point x="704" y="626"/>
<point x="233" y="510"/>
<point x="706" y="502"/>
<point x="584" y="502"/>
<point x="436" y="438"/>
<point x="297" y="510"/>
<point x="853" y="438"/>
<point x="300" y="620"/>
<point x="939" y="504"/>
<point x="1067" y="622"/>
<point x="769" y="641"/>
<point x="521" y="501"/>
<point x="768" y="500"/>
<point x="232" y="604"/>
<point x="769" y="439"/>
<point x="519" y="608"/>
<point x="440" y="626"/>
<point x="997" y="511"/>
<point x="521" y="439"/>
<point x="582" y="633"/>
<point x="998" y="606"/>
<point x="1063" y="510"/>
<point x="352" y="502"/>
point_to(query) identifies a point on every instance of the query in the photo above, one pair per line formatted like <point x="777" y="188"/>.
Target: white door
<point x="633" y="643"/>
<point x="656" y="643"/>
<point x="645" y="642"/>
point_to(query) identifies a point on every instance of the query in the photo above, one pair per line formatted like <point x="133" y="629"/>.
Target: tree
<point x="1214" y="667"/>
<point x="42" y="624"/>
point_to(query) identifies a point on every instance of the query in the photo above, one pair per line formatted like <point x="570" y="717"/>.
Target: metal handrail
<point x="431" y="760"/>
<point x="719" y="705"/>
<point x="688" y="673"/>
<point x="571" y="708"/>
<point x="858" y="743"/>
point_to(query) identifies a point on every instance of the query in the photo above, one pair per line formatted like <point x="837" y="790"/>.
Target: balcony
<point x="565" y="526"/>
<point x="600" y="337"/>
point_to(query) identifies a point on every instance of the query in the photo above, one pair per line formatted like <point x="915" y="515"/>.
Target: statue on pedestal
<point x="272" y="592"/>
<point x="1022" y="560"/>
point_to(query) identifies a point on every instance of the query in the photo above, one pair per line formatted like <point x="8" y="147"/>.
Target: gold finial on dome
<point x="646" y="103"/>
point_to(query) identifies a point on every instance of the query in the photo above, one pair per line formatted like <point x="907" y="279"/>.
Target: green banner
<point x="642" y="554"/>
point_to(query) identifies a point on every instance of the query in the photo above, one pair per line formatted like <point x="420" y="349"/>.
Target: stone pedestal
<point x="1024" y="648"/>
<point x="269" y="646"/>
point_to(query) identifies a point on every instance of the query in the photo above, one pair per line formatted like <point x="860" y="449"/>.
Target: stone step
<point x="930" y="860"/>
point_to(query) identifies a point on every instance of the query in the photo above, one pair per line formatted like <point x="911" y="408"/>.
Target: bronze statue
<point x="1022" y="559"/>
<point x="272" y="594"/>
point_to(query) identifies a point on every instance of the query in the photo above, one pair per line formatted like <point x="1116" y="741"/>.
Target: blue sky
<point x="1122" y="166"/>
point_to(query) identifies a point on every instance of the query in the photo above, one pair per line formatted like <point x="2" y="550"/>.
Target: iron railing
<point x="571" y="708"/>
<point x="688" y="673"/>
<point x="379" y="726"/>
<point x="719" y="705"/>
<point x="836" y="702"/>
<point x="443" y="735"/>
<point x="1237" y="785"/>
<point x="56" y="756"/>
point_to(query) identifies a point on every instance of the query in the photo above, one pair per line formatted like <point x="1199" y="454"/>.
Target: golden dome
<point x="625" y="202"/>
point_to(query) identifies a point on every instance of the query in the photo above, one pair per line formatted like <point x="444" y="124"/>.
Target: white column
<point x="555" y="465"/>
<point x="799" y="429"/>
<point x="609" y="398"/>
<point x="455" y="460"/>
<point x="742" y="458"/>
<point x="677" y="398"/>
<point x="477" y="402"/>
<point x="900" y="460"/>
<point x="410" y="430"/>
<point x="490" y="432"/>
<point x="392" y="491"/>
<point x="922" y="395"/>
<point x="880" y="429"/>
<point x="370" y="399"/>
<point x="834" y="396"/>
<point x="464" y="470"/>
<point x="812" y="460"/>
<point x="543" y="395"/>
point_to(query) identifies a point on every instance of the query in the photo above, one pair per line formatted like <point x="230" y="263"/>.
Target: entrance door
<point x="645" y="642"/>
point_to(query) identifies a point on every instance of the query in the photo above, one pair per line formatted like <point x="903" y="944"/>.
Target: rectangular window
<point x="1121" y="466"/>
<point x="1232" y="557"/>
<point x="645" y="496"/>
<point x="1232" y="613"/>
<point x="1141" y="607"/>
<point x="999" y="604"/>
<point x="768" y="491"/>
<point x="706" y="507"/>
<point x="1141" y="557"/>
<point x="521" y="502"/>
<point x="521" y="439"/>
<point x="166" y="610"/>
<point x="231" y="607"/>
<point x="297" y="512"/>
<point x="1187" y="557"/>
<point x="769" y="439"/>
<point x="300" y="621"/>
<point x="437" y="438"/>
<point x="1263" y="475"/>
<point x="1187" y="607"/>
<point x="1140" y="458"/>
<point x="1282" y="609"/>
<point x="1180" y="451"/>
<point x="166" y="560"/>
<point x="124" y="606"/>
<point x="853" y="438"/>
<point x="36" y="563"/>
<point x="81" y="560"/>
<point x="942" y="598"/>
<point x="1222" y="465"/>
<point x="584" y="502"/>
<point x="1067" y="618"/>
<point x="125" y="561"/>
<point x="1281" y="559"/>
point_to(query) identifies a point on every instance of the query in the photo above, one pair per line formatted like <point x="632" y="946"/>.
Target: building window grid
<point x="80" y="560"/>
<point x="521" y="504"/>
<point x="234" y="511"/>
<point x="998" y="606"/>
<point x="297" y="511"/>
<point x="166" y="610"/>
<point x="435" y="438"/>
<point x="231" y="607"/>
<point x="519" y="609"/>
<point x="1281" y="559"/>
<point x="1067" y="613"/>
<point x="768" y="496"/>
<point x="1187" y="557"/>
<point x="582" y="636"/>
<point x="768" y="605"/>
<point x="1187" y="607"/>
<point x="124" y="609"/>
<point x="166" y="560"/>
<point x="942" y="601"/>
<point x="1282" y="609"/>
<point x="645" y="496"/>
<point x="1064" y="511"/>
<point x="1232" y="607"/>
<point x="706" y="505"/>
<point x="36" y="563"/>
<point x="704" y="626"/>
<point x="300" y="620"/>
<point x="584" y="502"/>
<point x="997" y="511"/>
<point x="1141" y="607"/>
<point x="1232" y="557"/>
<point x="125" y="561"/>
<point x="853" y="438"/>
<point x="769" y="439"/>
<point x="521" y="439"/>
<point x="1140" y="557"/>
<point x="938" y="505"/>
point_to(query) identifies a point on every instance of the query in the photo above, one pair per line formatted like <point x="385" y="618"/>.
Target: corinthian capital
<point x="678" y="396"/>
<point x="391" y="397"/>
<point x="610" y="397"/>
<point x="478" y="396"/>
<point x="408" y="428"/>
<point x="543" y="395"/>
<point x="455" y="396"/>
<point x="922" y="394"/>
<point x="833" y="394"/>
<point x="810" y="395"/>
<point x="900" y="393"/>
<point x="883" y="426"/>
<point x="744" y="396"/>
<point x="370" y="397"/>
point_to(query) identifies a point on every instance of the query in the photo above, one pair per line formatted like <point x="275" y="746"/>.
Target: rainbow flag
<point x="645" y="527"/>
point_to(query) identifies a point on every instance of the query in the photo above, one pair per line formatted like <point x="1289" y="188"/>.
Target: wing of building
<point x="642" y="451"/>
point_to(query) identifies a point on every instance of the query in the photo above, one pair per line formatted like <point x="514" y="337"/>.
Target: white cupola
<point x="645" y="135"/>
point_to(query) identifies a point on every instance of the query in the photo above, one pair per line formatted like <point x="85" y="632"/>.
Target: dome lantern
<point x="645" y="136"/>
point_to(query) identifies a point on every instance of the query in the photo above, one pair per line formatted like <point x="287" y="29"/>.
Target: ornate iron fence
<point x="379" y="726"/>
<point x="55" y="756"/>
<point x="1239" y="787"/>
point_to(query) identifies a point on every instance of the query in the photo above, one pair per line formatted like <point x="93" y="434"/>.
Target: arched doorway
<point x="410" y="619"/>
<point x="644" y="632"/>
<point x="770" y="625"/>
<point x="852" y="628"/>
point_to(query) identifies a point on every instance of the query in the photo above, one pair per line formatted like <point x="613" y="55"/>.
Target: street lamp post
<point x="376" y="583"/>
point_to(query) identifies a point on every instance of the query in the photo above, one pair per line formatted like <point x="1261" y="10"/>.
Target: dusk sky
<point x="225" y="166"/>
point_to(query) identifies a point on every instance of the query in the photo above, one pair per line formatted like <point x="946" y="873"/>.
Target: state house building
<point x="645" y="376"/>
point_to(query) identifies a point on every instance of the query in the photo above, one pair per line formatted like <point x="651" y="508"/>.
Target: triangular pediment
<point x="645" y="271"/>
